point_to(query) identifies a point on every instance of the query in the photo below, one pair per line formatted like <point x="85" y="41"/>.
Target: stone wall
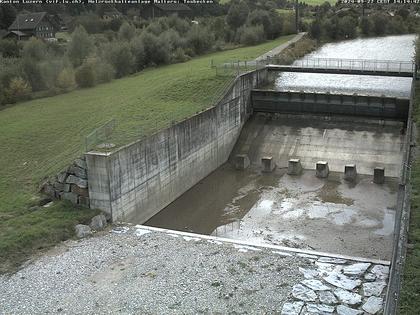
<point x="70" y="184"/>
<point x="138" y="180"/>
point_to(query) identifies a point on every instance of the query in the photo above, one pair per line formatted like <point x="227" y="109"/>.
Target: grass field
<point x="410" y="296"/>
<point x="40" y="137"/>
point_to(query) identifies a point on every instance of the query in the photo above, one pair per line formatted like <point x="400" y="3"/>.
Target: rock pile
<point x="70" y="184"/>
<point x="339" y="286"/>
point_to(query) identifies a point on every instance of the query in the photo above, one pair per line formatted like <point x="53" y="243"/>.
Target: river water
<point x="327" y="215"/>
<point x="394" y="48"/>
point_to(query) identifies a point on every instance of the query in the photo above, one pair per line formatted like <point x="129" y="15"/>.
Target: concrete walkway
<point x="275" y="51"/>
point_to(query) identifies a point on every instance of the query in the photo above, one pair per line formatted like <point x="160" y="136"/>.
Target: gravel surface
<point x="144" y="270"/>
<point x="151" y="273"/>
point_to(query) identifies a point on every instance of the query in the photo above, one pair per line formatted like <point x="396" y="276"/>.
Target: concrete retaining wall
<point x="140" y="179"/>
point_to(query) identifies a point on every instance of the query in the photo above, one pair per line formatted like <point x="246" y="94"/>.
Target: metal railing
<point x="238" y="67"/>
<point x="401" y="219"/>
<point x="100" y="135"/>
<point x="357" y="64"/>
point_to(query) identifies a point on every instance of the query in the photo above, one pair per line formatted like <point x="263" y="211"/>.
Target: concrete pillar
<point x="350" y="172"/>
<point x="294" y="167"/>
<point x="322" y="169"/>
<point x="241" y="161"/>
<point x="379" y="175"/>
<point x="268" y="164"/>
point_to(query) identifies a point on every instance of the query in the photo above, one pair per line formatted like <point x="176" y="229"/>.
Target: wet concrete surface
<point x="338" y="140"/>
<point x="328" y="215"/>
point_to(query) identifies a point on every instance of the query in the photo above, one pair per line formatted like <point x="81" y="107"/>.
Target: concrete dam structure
<point x="142" y="178"/>
<point x="139" y="180"/>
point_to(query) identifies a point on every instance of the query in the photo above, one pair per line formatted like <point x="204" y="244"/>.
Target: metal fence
<point x="401" y="219"/>
<point x="238" y="67"/>
<point x="357" y="64"/>
<point x="100" y="136"/>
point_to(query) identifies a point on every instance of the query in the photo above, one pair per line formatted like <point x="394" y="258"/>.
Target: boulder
<point x="80" y="163"/>
<point x="72" y="197"/>
<point x="79" y="191"/>
<point x="79" y="172"/>
<point x="82" y="230"/>
<point x="82" y="183"/>
<point x="48" y="189"/>
<point x="58" y="186"/>
<point x="61" y="178"/>
<point x="98" y="222"/>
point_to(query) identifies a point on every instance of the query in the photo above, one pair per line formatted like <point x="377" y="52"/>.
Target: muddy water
<point x="397" y="48"/>
<point x="302" y="212"/>
<point x="327" y="215"/>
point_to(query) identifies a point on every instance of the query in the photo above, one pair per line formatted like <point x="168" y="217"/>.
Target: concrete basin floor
<point x="328" y="215"/>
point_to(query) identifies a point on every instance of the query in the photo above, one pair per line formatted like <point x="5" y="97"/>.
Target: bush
<point x="33" y="73"/>
<point x="126" y="32"/>
<point x="237" y="15"/>
<point x="200" y="39"/>
<point x="80" y="46"/>
<point x="179" y="55"/>
<point x="270" y="21"/>
<point x="66" y="80"/>
<point x="139" y="53"/>
<point x="85" y="75"/>
<point x="315" y="29"/>
<point x="121" y="58"/>
<point x="10" y="48"/>
<point x="104" y="72"/>
<point x="251" y="35"/>
<point x="18" y="90"/>
<point x="34" y="49"/>
<point x="347" y="27"/>
<point x="157" y="50"/>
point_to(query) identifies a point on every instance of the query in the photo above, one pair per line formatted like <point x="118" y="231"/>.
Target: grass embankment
<point x="40" y="137"/>
<point x="410" y="295"/>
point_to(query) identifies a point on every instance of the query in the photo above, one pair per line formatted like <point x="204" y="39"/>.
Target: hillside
<point x="40" y="137"/>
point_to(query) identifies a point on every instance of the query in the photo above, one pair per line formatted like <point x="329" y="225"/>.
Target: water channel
<point x="305" y="211"/>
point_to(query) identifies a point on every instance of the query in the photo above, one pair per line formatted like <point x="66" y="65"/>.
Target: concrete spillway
<point x="337" y="140"/>
<point x="329" y="215"/>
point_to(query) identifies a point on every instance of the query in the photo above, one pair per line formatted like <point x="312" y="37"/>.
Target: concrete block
<point x="322" y="169"/>
<point x="350" y="172"/>
<point x="268" y="164"/>
<point x="72" y="197"/>
<point x="294" y="167"/>
<point x="241" y="161"/>
<point x="379" y="175"/>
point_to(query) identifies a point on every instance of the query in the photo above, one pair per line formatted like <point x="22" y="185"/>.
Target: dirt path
<point x="279" y="49"/>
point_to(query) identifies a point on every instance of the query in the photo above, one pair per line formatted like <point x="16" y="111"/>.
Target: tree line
<point x="98" y="53"/>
